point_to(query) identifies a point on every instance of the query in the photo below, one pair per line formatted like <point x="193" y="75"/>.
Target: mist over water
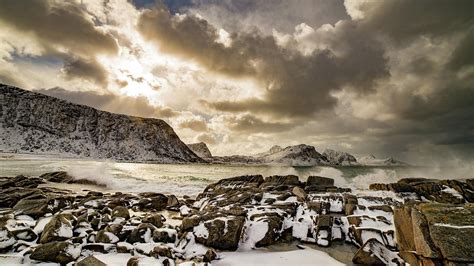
<point x="191" y="179"/>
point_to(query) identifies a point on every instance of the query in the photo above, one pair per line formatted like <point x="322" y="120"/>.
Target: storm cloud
<point x="57" y="25"/>
<point x="390" y="78"/>
<point x="295" y="85"/>
<point x="136" y="106"/>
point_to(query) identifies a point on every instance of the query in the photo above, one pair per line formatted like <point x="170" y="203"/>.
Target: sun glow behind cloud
<point x="244" y="77"/>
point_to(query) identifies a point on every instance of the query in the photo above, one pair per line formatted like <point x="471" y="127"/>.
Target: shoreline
<point x="226" y="221"/>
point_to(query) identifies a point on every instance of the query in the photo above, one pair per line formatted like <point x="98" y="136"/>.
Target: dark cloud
<point x="404" y="20"/>
<point x="136" y="106"/>
<point x="196" y="125"/>
<point x="463" y="55"/>
<point x="85" y="69"/>
<point x="192" y="38"/>
<point x="252" y="124"/>
<point x="296" y="85"/>
<point x="57" y="25"/>
<point x="267" y="15"/>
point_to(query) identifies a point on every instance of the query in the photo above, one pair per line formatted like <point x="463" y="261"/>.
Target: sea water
<point x="191" y="179"/>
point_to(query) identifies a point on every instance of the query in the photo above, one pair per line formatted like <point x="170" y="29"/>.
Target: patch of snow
<point x="65" y="230"/>
<point x="455" y="226"/>
<point x="254" y="232"/>
<point x="113" y="238"/>
<point x="201" y="231"/>
<point x="295" y="257"/>
<point x="452" y="191"/>
<point x="40" y="224"/>
<point x="184" y="210"/>
<point x="74" y="251"/>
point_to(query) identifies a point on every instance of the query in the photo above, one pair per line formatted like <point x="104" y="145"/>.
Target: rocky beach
<point x="415" y="221"/>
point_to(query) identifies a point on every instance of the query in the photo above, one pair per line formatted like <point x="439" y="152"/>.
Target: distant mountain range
<point x="304" y="155"/>
<point x="35" y="123"/>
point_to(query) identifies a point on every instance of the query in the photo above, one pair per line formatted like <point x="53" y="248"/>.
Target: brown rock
<point x="59" y="252"/>
<point x="210" y="255"/>
<point x="423" y="244"/>
<point x="161" y="251"/>
<point x="90" y="261"/>
<point x="319" y="181"/>
<point x="404" y="228"/>
<point x="223" y="234"/>
<point x="155" y="219"/>
<point x="120" y="211"/>
<point x="58" y="228"/>
<point x="299" y="193"/>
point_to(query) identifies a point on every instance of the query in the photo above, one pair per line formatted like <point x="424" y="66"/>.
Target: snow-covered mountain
<point x="298" y="155"/>
<point x="36" y="123"/>
<point x="339" y="157"/>
<point x="200" y="149"/>
<point x="371" y="160"/>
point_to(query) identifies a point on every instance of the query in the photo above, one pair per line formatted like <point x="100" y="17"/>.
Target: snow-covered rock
<point x="200" y="149"/>
<point x="298" y="155"/>
<point x="339" y="157"/>
<point x="374" y="161"/>
<point x="35" y="123"/>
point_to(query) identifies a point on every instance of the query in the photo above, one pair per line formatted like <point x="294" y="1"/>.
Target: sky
<point x="388" y="78"/>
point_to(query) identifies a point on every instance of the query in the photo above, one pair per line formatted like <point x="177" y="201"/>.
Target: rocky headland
<point x="35" y="123"/>
<point x="415" y="221"/>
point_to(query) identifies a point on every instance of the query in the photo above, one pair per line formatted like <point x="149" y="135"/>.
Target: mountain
<point x="200" y="149"/>
<point x="371" y="160"/>
<point x="298" y="155"/>
<point x="339" y="157"/>
<point x="36" y="123"/>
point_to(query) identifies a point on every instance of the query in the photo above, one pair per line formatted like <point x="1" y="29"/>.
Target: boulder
<point x="7" y="240"/>
<point x="274" y="224"/>
<point x="320" y="207"/>
<point x="281" y="180"/>
<point x="323" y="233"/>
<point x="103" y="236"/>
<point x="210" y="255"/>
<point x="373" y="252"/>
<point x="161" y="251"/>
<point x="404" y="227"/>
<point x="21" y="181"/>
<point x="173" y="202"/>
<point x="142" y="234"/>
<point x="25" y="234"/>
<point x="133" y="261"/>
<point x="423" y="244"/>
<point x="58" y="177"/>
<point x="90" y="261"/>
<point x="60" y="252"/>
<point x="58" y="228"/>
<point x="33" y="207"/>
<point x="238" y="182"/>
<point x="121" y="212"/>
<point x="299" y="193"/>
<point x="155" y="219"/>
<point x="220" y="232"/>
<point x="165" y="235"/>
<point x="319" y="181"/>
<point x="157" y="202"/>
<point x="449" y="228"/>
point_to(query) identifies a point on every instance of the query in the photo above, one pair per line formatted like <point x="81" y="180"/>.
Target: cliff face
<point x="200" y="149"/>
<point x="36" y="123"/>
